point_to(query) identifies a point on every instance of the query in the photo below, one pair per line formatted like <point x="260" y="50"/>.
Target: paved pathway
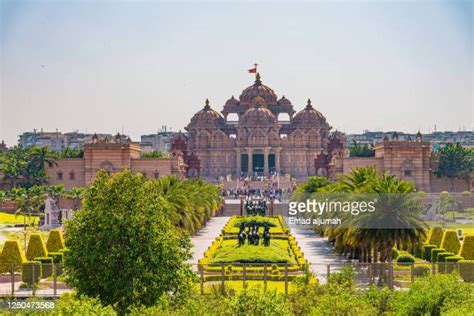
<point x="204" y="237"/>
<point x="317" y="250"/>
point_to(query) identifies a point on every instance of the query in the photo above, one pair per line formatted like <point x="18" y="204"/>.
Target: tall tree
<point x="123" y="237"/>
<point x="455" y="162"/>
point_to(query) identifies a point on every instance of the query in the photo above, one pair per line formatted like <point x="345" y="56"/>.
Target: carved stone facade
<point x="112" y="155"/>
<point x="258" y="142"/>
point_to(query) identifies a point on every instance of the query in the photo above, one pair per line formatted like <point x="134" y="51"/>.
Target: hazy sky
<point x="103" y="66"/>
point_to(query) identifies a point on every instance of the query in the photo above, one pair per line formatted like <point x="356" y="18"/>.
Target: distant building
<point x="160" y="141"/>
<point x="437" y="139"/>
<point x="56" y="141"/>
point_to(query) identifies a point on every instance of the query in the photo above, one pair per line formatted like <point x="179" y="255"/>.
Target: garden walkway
<point x="318" y="251"/>
<point x="204" y="237"/>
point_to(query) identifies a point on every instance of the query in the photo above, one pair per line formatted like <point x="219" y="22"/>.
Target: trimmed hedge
<point x="451" y="263"/>
<point x="31" y="272"/>
<point x="466" y="270"/>
<point x="12" y="255"/>
<point x="426" y="250"/>
<point x="55" y="241"/>
<point x="441" y="259"/>
<point x="36" y="247"/>
<point x="395" y="253"/>
<point x="434" y="253"/>
<point x="435" y="236"/>
<point x="46" y="266"/>
<point x="57" y="258"/>
<point x="451" y="242"/>
<point x="467" y="248"/>
<point x="406" y="259"/>
<point x="421" y="270"/>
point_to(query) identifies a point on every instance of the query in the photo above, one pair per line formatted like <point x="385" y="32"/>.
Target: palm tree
<point x="76" y="194"/>
<point x="38" y="158"/>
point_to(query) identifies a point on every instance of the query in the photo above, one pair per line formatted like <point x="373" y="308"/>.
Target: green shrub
<point x="395" y="253"/>
<point x="31" y="272"/>
<point x="421" y="270"/>
<point x="55" y="241"/>
<point x="417" y="250"/>
<point x="467" y="248"/>
<point x="36" y="247"/>
<point x="405" y="259"/>
<point x="426" y="250"/>
<point x="441" y="260"/>
<point x="46" y="266"/>
<point x="435" y="235"/>
<point x="431" y="295"/>
<point x="451" y="263"/>
<point x="56" y="256"/>
<point x="466" y="193"/>
<point x="12" y="256"/>
<point x="434" y="253"/>
<point x="450" y="241"/>
<point x="466" y="270"/>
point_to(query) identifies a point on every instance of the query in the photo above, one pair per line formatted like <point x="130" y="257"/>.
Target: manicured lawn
<point x="7" y="218"/>
<point x="237" y="286"/>
<point x="278" y="252"/>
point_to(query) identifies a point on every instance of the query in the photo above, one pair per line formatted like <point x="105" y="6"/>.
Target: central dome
<point x="258" y="114"/>
<point x="258" y="89"/>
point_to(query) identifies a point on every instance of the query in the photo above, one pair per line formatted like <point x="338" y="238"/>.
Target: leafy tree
<point x="155" y="154"/>
<point x="357" y="150"/>
<point x="72" y="153"/>
<point x="76" y="194"/>
<point x="312" y="184"/>
<point x="455" y="162"/>
<point x="25" y="167"/>
<point x="124" y="238"/>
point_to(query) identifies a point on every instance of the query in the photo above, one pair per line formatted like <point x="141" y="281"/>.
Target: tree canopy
<point x="455" y="162"/>
<point x="125" y="236"/>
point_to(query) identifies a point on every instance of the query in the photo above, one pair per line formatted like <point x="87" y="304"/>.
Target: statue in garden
<point x="242" y="235"/>
<point x="250" y="236"/>
<point x="266" y="235"/>
<point x="256" y="235"/>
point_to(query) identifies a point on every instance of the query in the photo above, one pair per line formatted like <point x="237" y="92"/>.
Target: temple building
<point x="259" y="142"/>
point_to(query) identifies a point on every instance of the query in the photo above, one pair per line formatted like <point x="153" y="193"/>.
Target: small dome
<point x="258" y="114"/>
<point x="231" y="102"/>
<point x="309" y="117"/>
<point x="258" y="89"/>
<point x="207" y="117"/>
<point x="284" y="101"/>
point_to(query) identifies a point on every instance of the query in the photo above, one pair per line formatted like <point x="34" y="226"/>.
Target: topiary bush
<point x="55" y="241"/>
<point x="467" y="248"/>
<point x="58" y="259"/>
<point x="450" y="263"/>
<point x="421" y="270"/>
<point x="466" y="270"/>
<point x="395" y="253"/>
<point x="36" y="247"/>
<point x="441" y="260"/>
<point x="435" y="236"/>
<point x="12" y="256"/>
<point x="426" y="250"/>
<point x="46" y="265"/>
<point x="451" y="242"/>
<point x="434" y="253"/>
<point x="405" y="259"/>
<point x="31" y="272"/>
